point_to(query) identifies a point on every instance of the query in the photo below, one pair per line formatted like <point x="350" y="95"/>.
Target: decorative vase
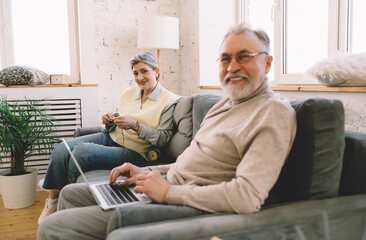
<point x="18" y="191"/>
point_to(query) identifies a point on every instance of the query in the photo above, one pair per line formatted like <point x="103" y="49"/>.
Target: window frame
<point x="208" y="53"/>
<point x="6" y="38"/>
<point x="338" y="42"/>
<point x="6" y="41"/>
<point x="339" y="27"/>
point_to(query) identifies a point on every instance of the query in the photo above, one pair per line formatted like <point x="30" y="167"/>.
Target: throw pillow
<point x="188" y="116"/>
<point x="313" y="167"/>
<point x="201" y="105"/>
<point x="183" y="122"/>
<point x="341" y="70"/>
<point x="23" y="75"/>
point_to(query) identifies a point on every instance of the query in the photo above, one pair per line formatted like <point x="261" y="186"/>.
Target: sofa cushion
<point x="201" y="104"/>
<point x="353" y="180"/>
<point x="188" y="115"/>
<point x="183" y="122"/>
<point x="313" y="167"/>
<point x="337" y="218"/>
<point x="95" y="176"/>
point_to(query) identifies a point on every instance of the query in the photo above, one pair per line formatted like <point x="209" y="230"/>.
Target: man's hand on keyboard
<point x="128" y="170"/>
<point x="153" y="185"/>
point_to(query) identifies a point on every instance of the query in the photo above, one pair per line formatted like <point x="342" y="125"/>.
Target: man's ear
<point x="269" y="60"/>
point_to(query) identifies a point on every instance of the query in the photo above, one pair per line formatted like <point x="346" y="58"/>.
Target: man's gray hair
<point x="245" y="28"/>
<point x="146" y="58"/>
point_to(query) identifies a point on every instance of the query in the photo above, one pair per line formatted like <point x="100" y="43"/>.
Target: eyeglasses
<point x="240" y="58"/>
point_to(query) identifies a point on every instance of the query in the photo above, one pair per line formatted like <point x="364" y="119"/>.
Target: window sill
<point x="50" y="85"/>
<point x="316" y="88"/>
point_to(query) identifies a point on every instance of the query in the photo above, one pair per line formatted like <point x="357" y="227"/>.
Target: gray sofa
<point x="320" y="193"/>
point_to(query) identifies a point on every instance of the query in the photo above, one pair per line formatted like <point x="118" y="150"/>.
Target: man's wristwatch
<point x="137" y="126"/>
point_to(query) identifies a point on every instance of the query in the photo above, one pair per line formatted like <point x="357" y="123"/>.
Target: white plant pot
<point x="18" y="191"/>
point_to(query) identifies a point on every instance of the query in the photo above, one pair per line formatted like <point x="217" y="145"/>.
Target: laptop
<point x="110" y="196"/>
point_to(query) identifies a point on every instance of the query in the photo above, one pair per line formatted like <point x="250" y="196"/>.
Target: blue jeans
<point x="94" y="151"/>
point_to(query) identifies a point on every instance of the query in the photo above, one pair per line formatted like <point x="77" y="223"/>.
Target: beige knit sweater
<point x="236" y="156"/>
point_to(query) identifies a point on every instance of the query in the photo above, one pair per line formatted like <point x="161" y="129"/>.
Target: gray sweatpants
<point x="78" y="216"/>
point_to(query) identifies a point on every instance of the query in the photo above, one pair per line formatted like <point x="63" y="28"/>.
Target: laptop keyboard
<point x="117" y="194"/>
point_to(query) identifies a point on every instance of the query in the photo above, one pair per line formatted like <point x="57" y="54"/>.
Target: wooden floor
<point x="21" y="223"/>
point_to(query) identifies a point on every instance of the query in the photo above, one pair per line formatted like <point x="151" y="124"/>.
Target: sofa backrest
<point x="313" y="167"/>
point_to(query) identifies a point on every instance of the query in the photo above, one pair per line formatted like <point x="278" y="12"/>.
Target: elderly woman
<point x="144" y="121"/>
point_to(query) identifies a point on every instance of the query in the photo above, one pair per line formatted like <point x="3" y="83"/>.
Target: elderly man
<point x="230" y="166"/>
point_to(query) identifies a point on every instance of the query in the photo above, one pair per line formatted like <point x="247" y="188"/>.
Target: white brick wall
<point x="108" y="36"/>
<point x="109" y="40"/>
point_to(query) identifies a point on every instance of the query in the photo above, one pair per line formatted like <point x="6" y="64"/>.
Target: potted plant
<point x="25" y="129"/>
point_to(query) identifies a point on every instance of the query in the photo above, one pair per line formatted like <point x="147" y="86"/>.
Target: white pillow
<point x="341" y="70"/>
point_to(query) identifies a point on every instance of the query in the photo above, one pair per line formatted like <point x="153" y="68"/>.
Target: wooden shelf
<point x="305" y="88"/>
<point x="50" y="85"/>
<point x="318" y="89"/>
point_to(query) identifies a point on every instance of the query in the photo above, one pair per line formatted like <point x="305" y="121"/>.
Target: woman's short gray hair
<point x="245" y="28"/>
<point x="146" y="58"/>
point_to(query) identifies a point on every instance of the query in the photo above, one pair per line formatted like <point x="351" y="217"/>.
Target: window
<point x="301" y="32"/>
<point x="213" y="25"/>
<point x="41" y="34"/>
<point x="357" y="18"/>
<point x="259" y="14"/>
<point x="308" y="31"/>
<point x="305" y="37"/>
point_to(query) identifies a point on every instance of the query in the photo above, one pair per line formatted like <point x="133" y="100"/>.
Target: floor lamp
<point x="158" y="32"/>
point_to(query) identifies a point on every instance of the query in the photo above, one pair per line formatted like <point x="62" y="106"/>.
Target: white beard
<point x="237" y="91"/>
<point x="244" y="90"/>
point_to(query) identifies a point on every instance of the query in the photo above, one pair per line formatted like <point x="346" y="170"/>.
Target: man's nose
<point x="234" y="66"/>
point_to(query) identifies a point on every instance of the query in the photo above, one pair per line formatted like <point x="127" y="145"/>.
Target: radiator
<point x="67" y="115"/>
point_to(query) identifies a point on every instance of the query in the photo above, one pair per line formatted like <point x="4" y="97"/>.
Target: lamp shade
<point x="158" y="32"/>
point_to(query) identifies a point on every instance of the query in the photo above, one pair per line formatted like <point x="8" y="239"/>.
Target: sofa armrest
<point x="86" y="131"/>
<point x="353" y="180"/>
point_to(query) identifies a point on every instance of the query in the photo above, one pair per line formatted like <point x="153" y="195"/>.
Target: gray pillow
<point x="313" y="167"/>
<point x="188" y="116"/>
<point x="183" y="122"/>
<point x="23" y="75"/>
<point x="201" y="104"/>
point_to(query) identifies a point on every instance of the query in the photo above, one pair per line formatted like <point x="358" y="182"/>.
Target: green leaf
<point x="24" y="129"/>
